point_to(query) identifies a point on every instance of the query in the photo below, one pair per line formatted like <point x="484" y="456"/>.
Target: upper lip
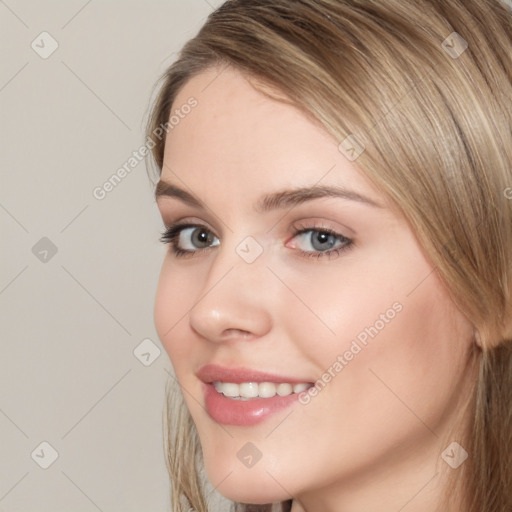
<point x="213" y="372"/>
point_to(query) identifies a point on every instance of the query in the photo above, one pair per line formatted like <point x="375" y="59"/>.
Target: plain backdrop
<point x="82" y="372"/>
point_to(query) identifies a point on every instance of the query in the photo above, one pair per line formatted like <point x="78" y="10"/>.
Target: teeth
<point x="247" y="390"/>
<point x="297" y="388"/>
<point x="266" y="389"/>
<point x="230" y="389"/>
<point x="284" y="389"/>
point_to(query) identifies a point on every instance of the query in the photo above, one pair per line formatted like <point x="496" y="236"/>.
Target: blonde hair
<point x="433" y="119"/>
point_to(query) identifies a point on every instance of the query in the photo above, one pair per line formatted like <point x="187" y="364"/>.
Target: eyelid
<point x="327" y="220"/>
<point x="188" y="221"/>
<point x="321" y="224"/>
<point x="177" y="213"/>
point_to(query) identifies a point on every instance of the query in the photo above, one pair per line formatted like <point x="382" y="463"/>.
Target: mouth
<point x="245" y="397"/>
<point x="252" y="390"/>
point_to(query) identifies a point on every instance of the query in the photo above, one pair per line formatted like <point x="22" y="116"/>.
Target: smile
<point x="249" y="390"/>
<point x="246" y="396"/>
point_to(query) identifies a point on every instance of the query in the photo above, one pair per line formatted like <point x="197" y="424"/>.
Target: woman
<point x="336" y="299"/>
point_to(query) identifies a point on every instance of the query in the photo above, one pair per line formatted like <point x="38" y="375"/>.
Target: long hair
<point x="422" y="89"/>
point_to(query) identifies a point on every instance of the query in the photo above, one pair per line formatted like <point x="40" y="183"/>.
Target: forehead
<point x="231" y="114"/>
<point x="248" y="142"/>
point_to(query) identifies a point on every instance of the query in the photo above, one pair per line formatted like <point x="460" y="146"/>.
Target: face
<point x="326" y="286"/>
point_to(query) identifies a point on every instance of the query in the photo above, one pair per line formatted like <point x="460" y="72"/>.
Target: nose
<point x="234" y="302"/>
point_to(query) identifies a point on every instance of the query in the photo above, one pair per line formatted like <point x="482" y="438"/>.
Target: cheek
<point x="174" y="298"/>
<point x="355" y="298"/>
<point x="365" y="294"/>
<point x="405" y="374"/>
<point x="400" y="338"/>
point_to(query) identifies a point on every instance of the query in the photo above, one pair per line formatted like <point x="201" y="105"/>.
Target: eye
<point x="194" y="237"/>
<point x="187" y="239"/>
<point x="320" y="242"/>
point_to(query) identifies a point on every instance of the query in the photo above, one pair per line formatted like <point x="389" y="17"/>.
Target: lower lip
<point x="243" y="413"/>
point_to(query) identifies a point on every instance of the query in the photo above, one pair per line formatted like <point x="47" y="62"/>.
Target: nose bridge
<point x="234" y="298"/>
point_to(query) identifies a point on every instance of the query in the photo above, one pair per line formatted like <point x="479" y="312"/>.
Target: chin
<point x="244" y="485"/>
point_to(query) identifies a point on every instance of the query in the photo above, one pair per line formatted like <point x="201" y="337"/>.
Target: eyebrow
<point x="274" y="201"/>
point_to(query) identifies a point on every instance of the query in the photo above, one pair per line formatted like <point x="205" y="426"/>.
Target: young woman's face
<point x="325" y="285"/>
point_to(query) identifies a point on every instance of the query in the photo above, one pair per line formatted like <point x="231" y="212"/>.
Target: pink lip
<point x="244" y="413"/>
<point x="213" y="372"/>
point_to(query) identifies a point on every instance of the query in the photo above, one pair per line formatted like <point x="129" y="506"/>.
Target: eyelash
<point x="171" y="234"/>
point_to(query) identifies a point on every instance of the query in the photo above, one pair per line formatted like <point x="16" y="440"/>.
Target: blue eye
<point x="319" y="240"/>
<point x="322" y="242"/>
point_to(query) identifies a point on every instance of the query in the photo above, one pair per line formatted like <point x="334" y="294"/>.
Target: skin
<point x="372" y="437"/>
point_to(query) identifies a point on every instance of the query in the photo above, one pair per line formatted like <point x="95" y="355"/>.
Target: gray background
<point x="70" y="321"/>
